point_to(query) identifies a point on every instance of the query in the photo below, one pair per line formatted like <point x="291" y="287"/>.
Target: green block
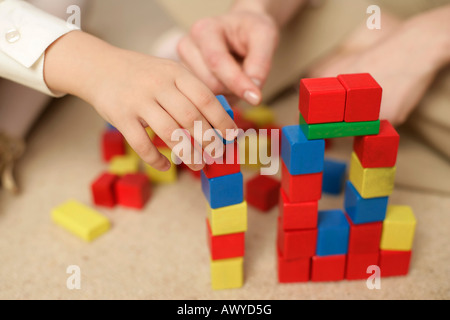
<point x="339" y="129"/>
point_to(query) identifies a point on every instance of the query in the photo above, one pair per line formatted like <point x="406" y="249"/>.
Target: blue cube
<point x="362" y="210"/>
<point x="333" y="233"/>
<point x="301" y="156"/>
<point x="334" y="174"/>
<point x="223" y="191"/>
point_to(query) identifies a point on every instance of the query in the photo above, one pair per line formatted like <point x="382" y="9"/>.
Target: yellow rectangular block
<point x="80" y="220"/>
<point x="227" y="273"/>
<point x="228" y="220"/>
<point x="261" y="116"/>
<point x="398" y="229"/>
<point x="166" y="177"/>
<point x="122" y="165"/>
<point x="371" y="182"/>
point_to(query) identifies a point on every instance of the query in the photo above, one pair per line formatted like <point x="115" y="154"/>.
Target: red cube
<point x="328" y="268"/>
<point x="225" y="246"/>
<point x="103" y="190"/>
<point x="394" y="263"/>
<point x="113" y="144"/>
<point x="227" y="165"/>
<point x="295" y="244"/>
<point x="322" y="100"/>
<point x="262" y="192"/>
<point x="364" y="238"/>
<point x="295" y="216"/>
<point x="133" y="191"/>
<point x="357" y="264"/>
<point x="301" y="188"/>
<point x="292" y="271"/>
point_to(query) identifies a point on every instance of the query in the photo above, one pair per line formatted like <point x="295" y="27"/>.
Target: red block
<point x="113" y="144"/>
<point x="133" y="191"/>
<point x="322" y="100"/>
<point x="103" y="190"/>
<point x="364" y="238"/>
<point x="378" y="151"/>
<point x="296" y="244"/>
<point x="295" y="216"/>
<point x="363" y="97"/>
<point x="357" y="264"/>
<point x="394" y="263"/>
<point x="228" y="165"/>
<point x="226" y="246"/>
<point x="329" y="268"/>
<point x="301" y="188"/>
<point x="262" y="192"/>
<point x="241" y="122"/>
<point x="158" y="142"/>
<point x="291" y="271"/>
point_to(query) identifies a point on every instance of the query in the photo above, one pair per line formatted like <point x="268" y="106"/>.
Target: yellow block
<point x="250" y="148"/>
<point x="150" y="133"/>
<point x="122" y="165"/>
<point x="159" y="177"/>
<point x="227" y="273"/>
<point x="371" y="182"/>
<point x="398" y="229"/>
<point x="228" y="220"/>
<point x="261" y="116"/>
<point x="130" y="151"/>
<point x="80" y="220"/>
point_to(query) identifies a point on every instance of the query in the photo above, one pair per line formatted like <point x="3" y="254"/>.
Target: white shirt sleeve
<point x="25" y="33"/>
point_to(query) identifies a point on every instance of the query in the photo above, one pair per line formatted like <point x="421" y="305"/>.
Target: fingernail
<point x="257" y="82"/>
<point x="251" y="97"/>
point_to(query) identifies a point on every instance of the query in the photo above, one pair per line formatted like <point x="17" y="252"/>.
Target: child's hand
<point x="132" y="91"/>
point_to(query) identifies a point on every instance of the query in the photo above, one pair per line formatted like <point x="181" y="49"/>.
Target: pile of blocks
<point x="334" y="245"/>
<point x="222" y="185"/>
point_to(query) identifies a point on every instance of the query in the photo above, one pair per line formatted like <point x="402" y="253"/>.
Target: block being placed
<point x="362" y="210"/>
<point x="357" y="264"/>
<point x="295" y="244"/>
<point x="295" y="216"/>
<point x="226" y="246"/>
<point x="301" y="188"/>
<point x="363" y="97"/>
<point x="398" y="229"/>
<point x="300" y="155"/>
<point x="133" y="191"/>
<point x="261" y="116"/>
<point x="394" y="263"/>
<point x="329" y="268"/>
<point x="334" y="173"/>
<point x="364" y="238"/>
<point x="262" y="192"/>
<point x="102" y="189"/>
<point x="228" y="164"/>
<point x="228" y="220"/>
<point x="372" y="182"/>
<point x="378" y="151"/>
<point x="223" y="191"/>
<point x="322" y="100"/>
<point x="293" y="271"/>
<point x="113" y="144"/>
<point x="80" y="220"/>
<point x="122" y="165"/>
<point x="163" y="177"/>
<point x="333" y="233"/>
<point x="227" y="273"/>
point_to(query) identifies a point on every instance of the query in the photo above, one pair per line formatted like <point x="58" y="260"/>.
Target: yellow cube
<point x="122" y="165"/>
<point x="228" y="220"/>
<point x="398" y="229"/>
<point x="250" y="149"/>
<point x="371" y="182"/>
<point x="261" y="116"/>
<point x="166" y="177"/>
<point x="227" y="273"/>
<point x="80" y="220"/>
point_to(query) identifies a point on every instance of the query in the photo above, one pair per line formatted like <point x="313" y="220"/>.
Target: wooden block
<point x="133" y="191"/>
<point x="300" y="155"/>
<point x="373" y="182"/>
<point x="334" y="174"/>
<point x="227" y="273"/>
<point x="225" y="246"/>
<point x="364" y="238"/>
<point x="296" y="216"/>
<point x="241" y="122"/>
<point x="357" y="264"/>
<point x="262" y="192"/>
<point x="363" y="97"/>
<point x="166" y="177"/>
<point x="223" y="191"/>
<point x="362" y="210"/>
<point x="398" y="229"/>
<point x="330" y="268"/>
<point x="102" y="189"/>
<point x="293" y="271"/>
<point x="228" y="220"/>
<point x="261" y="116"/>
<point x="80" y="220"/>
<point x="394" y="263"/>
<point x="301" y="188"/>
<point x="122" y="165"/>
<point x="322" y="100"/>
<point x="113" y="144"/>
<point x="295" y="244"/>
<point x="333" y="233"/>
<point x="250" y="149"/>
<point x="339" y="129"/>
<point x="378" y="151"/>
<point x="228" y="164"/>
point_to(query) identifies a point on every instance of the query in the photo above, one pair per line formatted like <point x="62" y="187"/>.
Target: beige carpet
<point x="161" y="253"/>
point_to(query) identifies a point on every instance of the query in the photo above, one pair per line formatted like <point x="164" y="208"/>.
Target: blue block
<point x="223" y="191"/>
<point x="334" y="174"/>
<point x="362" y="210"/>
<point x="223" y="101"/>
<point x="333" y="233"/>
<point x="301" y="156"/>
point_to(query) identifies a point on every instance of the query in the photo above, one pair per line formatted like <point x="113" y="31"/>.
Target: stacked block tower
<point x="222" y="185"/>
<point x="334" y="245"/>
